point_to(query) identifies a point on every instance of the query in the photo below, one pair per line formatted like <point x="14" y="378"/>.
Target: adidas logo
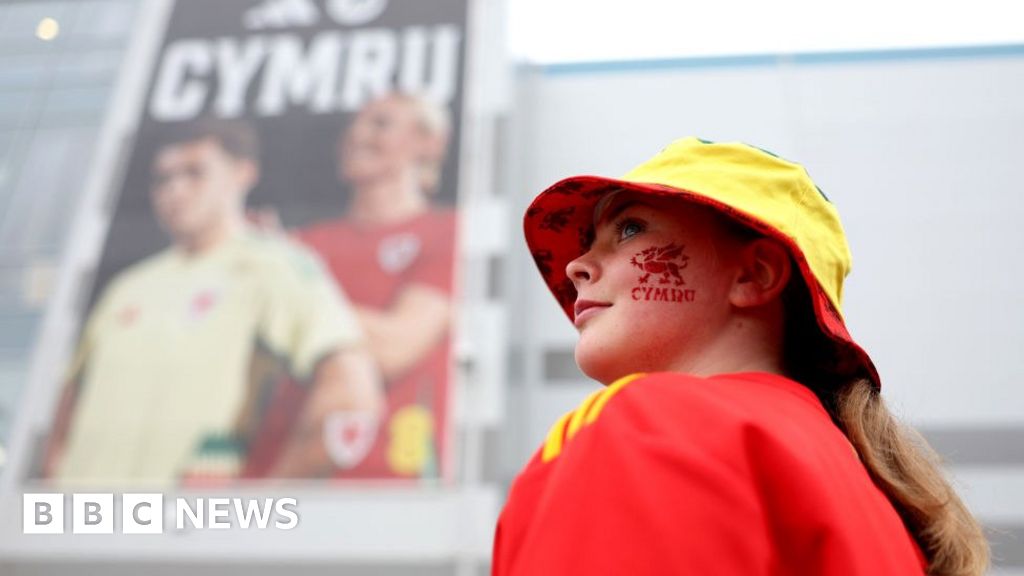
<point x="281" y="14"/>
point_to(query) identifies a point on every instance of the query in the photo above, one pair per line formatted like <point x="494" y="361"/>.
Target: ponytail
<point x="898" y="459"/>
<point x="909" y="472"/>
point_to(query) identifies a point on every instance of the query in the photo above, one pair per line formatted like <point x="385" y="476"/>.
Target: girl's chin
<point x="599" y="366"/>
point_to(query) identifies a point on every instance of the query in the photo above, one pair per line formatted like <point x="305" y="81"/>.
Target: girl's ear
<point x="765" y="269"/>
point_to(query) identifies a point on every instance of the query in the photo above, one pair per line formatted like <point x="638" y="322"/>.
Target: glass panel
<point x="52" y="97"/>
<point x="86" y="68"/>
<point x="88" y="99"/>
<point x="17" y="331"/>
<point x="25" y="71"/>
<point x="17" y="107"/>
<point x="36" y="220"/>
<point x="13" y="373"/>
<point x="19" y="21"/>
<point x="10" y="142"/>
<point x="104" y="19"/>
<point x="11" y="285"/>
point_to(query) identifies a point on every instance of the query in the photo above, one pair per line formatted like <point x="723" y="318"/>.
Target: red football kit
<point x="372" y="265"/>
<point x="740" y="474"/>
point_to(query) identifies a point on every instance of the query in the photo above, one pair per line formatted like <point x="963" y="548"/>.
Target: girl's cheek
<point x="659" y="272"/>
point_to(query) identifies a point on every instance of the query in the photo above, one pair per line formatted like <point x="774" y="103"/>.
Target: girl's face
<point x="653" y="288"/>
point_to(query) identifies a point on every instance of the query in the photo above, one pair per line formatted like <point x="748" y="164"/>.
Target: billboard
<point x="274" y="295"/>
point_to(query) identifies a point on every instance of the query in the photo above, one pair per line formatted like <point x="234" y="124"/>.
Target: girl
<point x="740" y="429"/>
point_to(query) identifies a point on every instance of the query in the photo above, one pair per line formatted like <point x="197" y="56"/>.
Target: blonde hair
<point x="896" y="456"/>
<point x="435" y="123"/>
<point x="909" y="472"/>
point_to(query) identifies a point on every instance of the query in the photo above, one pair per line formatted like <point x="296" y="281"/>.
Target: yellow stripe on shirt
<point x="556" y="436"/>
<point x="570" y="423"/>
<point x="577" y="415"/>
<point x="607" y="394"/>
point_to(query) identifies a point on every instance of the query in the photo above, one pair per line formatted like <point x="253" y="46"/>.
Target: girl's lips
<point x="584" y="309"/>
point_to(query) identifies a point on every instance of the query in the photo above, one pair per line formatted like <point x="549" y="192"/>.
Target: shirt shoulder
<point x="276" y="254"/>
<point x="441" y="215"/>
<point x="440" y="224"/>
<point x="711" y="412"/>
<point x="741" y="471"/>
<point x="146" y="275"/>
<point x="323" y="234"/>
<point x="662" y="461"/>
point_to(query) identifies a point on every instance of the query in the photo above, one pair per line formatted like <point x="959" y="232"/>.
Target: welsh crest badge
<point x="348" y="436"/>
<point x="396" y="253"/>
<point x="201" y="303"/>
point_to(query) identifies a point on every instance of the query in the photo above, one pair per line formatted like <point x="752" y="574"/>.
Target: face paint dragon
<point x="665" y="263"/>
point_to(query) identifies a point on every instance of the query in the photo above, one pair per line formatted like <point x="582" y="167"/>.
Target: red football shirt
<point x="373" y="264"/>
<point x="741" y="474"/>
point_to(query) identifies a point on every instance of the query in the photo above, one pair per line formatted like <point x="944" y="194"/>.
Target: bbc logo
<point x="144" y="513"/>
<point x="93" y="513"/>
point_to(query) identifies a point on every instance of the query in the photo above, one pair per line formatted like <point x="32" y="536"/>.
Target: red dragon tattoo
<point x="664" y="261"/>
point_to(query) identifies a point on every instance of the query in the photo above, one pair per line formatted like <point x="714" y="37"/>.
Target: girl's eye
<point x="627" y="228"/>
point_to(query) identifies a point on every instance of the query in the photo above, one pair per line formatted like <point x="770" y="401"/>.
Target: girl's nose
<point x="581" y="270"/>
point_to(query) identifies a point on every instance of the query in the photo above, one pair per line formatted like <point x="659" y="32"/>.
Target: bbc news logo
<point x="144" y="513"/>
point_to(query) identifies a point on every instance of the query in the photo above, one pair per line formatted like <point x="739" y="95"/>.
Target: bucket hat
<point x="771" y="195"/>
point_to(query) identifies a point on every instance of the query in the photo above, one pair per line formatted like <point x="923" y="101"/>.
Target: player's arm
<point x="344" y="381"/>
<point x="313" y="324"/>
<point x="69" y="396"/>
<point x="402" y="335"/>
<point x="54" y="450"/>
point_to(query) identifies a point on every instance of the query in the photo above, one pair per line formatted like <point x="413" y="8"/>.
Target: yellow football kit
<point x="167" y="354"/>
